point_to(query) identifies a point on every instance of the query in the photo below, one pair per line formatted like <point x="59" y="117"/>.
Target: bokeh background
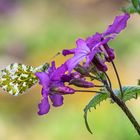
<point x="32" y="32"/>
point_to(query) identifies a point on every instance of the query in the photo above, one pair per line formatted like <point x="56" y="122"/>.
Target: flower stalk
<point x="91" y="91"/>
<point x="118" y="78"/>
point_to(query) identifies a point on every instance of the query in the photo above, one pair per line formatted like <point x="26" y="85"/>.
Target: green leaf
<point x="133" y="7"/>
<point x="17" y="78"/>
<point x="130" y="9"/>
<point x="130" y="92"/>
<point x="136" y="4"/>
<point x="97" y="99"/>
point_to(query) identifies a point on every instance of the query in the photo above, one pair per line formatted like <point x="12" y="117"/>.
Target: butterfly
<point x="17" y="78"/>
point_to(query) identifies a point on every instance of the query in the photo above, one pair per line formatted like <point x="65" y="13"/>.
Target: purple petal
<point x="94" y="40"/>
<point x="45" y="92"/>
<point x="57" y="74"/>
<point x="105" y="41"/>
<point x="52" y="68"/>
<point x="81" y="52"/>
<point x="44" y="106"/>
<point x="43" y="78"/>
<point x="67" y="52"/>
<point x="66" y="78"/>
<point x="72" y="62"/>
<point x="56" y="99"/>
<point x="81" y="47"/>
<point x="118" y="25"/>
<point x="90" y="57"/>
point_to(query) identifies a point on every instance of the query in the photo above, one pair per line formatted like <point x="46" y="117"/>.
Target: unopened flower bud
<point x="99" y="63"/>
<point x="75" y="75"/>
<point x="82" y="70"/>
<point x="67" y="52"/>
<point x="81" y="83"/>
<point x="62" y="90"/>
<point x="110" y="53"/>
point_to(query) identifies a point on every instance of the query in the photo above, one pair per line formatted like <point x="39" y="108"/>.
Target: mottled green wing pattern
<point x="17" y="78"/>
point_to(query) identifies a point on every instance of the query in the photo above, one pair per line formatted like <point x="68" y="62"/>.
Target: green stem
<point x="89" y="91"/>
<point x="118" y="78"/>
<point x="123" y="106"/>
<point x="94" y="78"/>
<point x="108" y="79"/>
<point x="99" y="86"/>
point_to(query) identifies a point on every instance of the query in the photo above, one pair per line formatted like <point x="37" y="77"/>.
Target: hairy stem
<point x="125" y="109"/>
<point x="118" y="78"/>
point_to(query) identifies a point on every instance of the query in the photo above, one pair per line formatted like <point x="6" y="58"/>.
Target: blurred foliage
<point x="134" y="7"/>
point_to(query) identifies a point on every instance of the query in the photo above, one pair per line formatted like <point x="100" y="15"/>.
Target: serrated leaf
<point x="130" y="92"/>
<point x="97" y="99"/>
<point x="17" y="78"/>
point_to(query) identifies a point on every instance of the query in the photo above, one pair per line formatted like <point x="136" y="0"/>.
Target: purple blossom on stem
<point x="87" y="49"/>
<point x="52" y="87"/>
<point x="81" y="52"/>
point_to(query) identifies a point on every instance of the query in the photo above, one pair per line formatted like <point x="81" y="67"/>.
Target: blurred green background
<point x="32" y="32"/>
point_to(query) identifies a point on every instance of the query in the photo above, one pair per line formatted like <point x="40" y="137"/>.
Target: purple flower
<point x="52" y="87"/>
<point x="96" y="44"/>
<point x="115" y="28"/>
<point x="81" y="52"/>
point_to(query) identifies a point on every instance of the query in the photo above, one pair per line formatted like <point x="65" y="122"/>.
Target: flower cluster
<point x="95" y="48"/>
<point x="89" y="56"/>
<point x="52" y="87"/>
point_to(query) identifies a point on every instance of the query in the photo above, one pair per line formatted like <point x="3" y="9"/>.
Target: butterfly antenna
<point x="55" y="56"/>
<point x="46" y="65"/>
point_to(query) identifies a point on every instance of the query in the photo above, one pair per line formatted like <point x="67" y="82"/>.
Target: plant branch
<point x="118" y="78"/>
<point x="125" y="109"/>
<point x="99" y="86"/>
<point x="89" y="91"/>
<point x="108" y="80"/>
